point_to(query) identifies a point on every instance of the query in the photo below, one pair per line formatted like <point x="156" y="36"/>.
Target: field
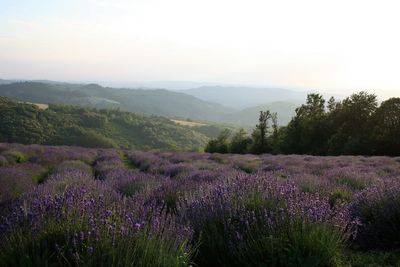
<point x="188" y="123"/>
<point x="72" y="206"/>
<point x="40" y="106"/>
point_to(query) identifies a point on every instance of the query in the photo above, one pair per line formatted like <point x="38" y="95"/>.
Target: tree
<point x="260" y="133"/>
<point x="315" y="105"/>
<point x="353" y="126"/>
<point x="240" y="142"/>
<point x="386" y="132"/>
<point x="352" y="123"/>
<point x="307" y="131"/>
<point x="220" y="144"/>
<point x="332" y="104"/>
<point x="275" y="132"/>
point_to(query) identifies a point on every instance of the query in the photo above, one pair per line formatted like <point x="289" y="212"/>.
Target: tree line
<point x="357" y="125"/>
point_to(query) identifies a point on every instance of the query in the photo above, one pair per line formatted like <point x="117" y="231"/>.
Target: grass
<point x="51" y="248"/>
<point x="248" y="167"/>
<point x="40" y="178"/>
<point x="353" y="183"/>
<point x="128" y="163"/>
<point x="219" y="159"/>
<point x="14" y="156"/>
<point x="132" y="188"/>
<point x="372" y="259"/>
<point x="290" y="243"/>
<point x="293" y="243"/>
<point x="341" y="195"/>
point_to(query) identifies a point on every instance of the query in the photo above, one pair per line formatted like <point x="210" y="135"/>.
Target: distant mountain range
<point x="249" y="116"/>
<point x="240" y="97"/>
<point x="157" y="102"/>
<point x="235" y="105"/>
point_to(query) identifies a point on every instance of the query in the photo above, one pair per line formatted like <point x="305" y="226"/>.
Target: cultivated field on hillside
<point x="188" y="123"/>
<point x="71" y="206"/>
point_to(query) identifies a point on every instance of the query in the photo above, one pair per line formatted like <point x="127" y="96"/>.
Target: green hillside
<point x="91" y="127"/>
<point x="158" y="102"/>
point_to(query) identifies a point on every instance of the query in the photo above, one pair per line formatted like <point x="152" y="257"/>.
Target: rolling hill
<point x="90" y="127"/>
<point x="160" y="102"/>
<point x="148" y="101"/>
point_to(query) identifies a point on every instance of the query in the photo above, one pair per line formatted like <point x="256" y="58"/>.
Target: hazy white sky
<point x="342" y="45"/>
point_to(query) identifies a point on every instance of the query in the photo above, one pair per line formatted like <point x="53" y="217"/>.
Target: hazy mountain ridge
<point x="149" y="101"/>
<point x="173" y="104"/>
<point x="245" y="96"/>
<point x="249" y="116"/>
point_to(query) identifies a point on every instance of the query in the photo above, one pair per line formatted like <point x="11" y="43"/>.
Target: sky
<point x="341" y="46"/>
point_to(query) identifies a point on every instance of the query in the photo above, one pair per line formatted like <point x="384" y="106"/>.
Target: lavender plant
<point x="70" y="206"/>
<point x="75" y="220"/>
<point x="378" y="209"/>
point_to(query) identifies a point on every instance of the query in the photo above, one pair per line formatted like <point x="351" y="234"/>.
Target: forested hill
<point x="157" y="102"/>
<point x="91" y="127"/>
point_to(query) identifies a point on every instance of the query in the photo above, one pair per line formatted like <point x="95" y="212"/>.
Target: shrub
<point x="62" y="223"/>
<point x="339" y="195"/>
<point x="294" y="242"/>
<point x="219" y="159"/>
<point x="18" y="179"/>
<point x="54" y="248"/>
<point x="248" y="167"/>
<point x="373" y="258"/>
<point x="378" y="209"/>
<point x="255" y="221"/>
<point x="3" y="161"/>
<point x="14" y="156"/>
<point x="70" y="165"/>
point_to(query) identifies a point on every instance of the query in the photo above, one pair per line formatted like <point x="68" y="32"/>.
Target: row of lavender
<point x="88" y="207"/>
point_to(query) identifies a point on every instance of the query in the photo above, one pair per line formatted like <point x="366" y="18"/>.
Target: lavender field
<point x="70" y="206"/>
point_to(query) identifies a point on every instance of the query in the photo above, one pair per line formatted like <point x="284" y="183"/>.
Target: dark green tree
<point x="275" y="133"/>
<point x="386" y="131"/>
<point x="352" y="124"/>
<point x="220" y="144"/>
<point x="259" y="134"/>
<point x="240" y="142"/>
<point x="307" y="131"/>
<point x="332" y="104"/>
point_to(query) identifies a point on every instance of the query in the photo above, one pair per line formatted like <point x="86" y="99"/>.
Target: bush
<point x="378" y="209"/>
<point x="54" y="248"/>
<point x="253" y="221"/>
<point x="70" y="165"/>
<point x="293" y="242"/>
<point x="372" y="259"/>
<point x="78" y="221"/>
<point x="18" y="179"/>
<point x="3" y="161"/>
<point x="339" y="195"/>
<point x="14" y="156"/>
